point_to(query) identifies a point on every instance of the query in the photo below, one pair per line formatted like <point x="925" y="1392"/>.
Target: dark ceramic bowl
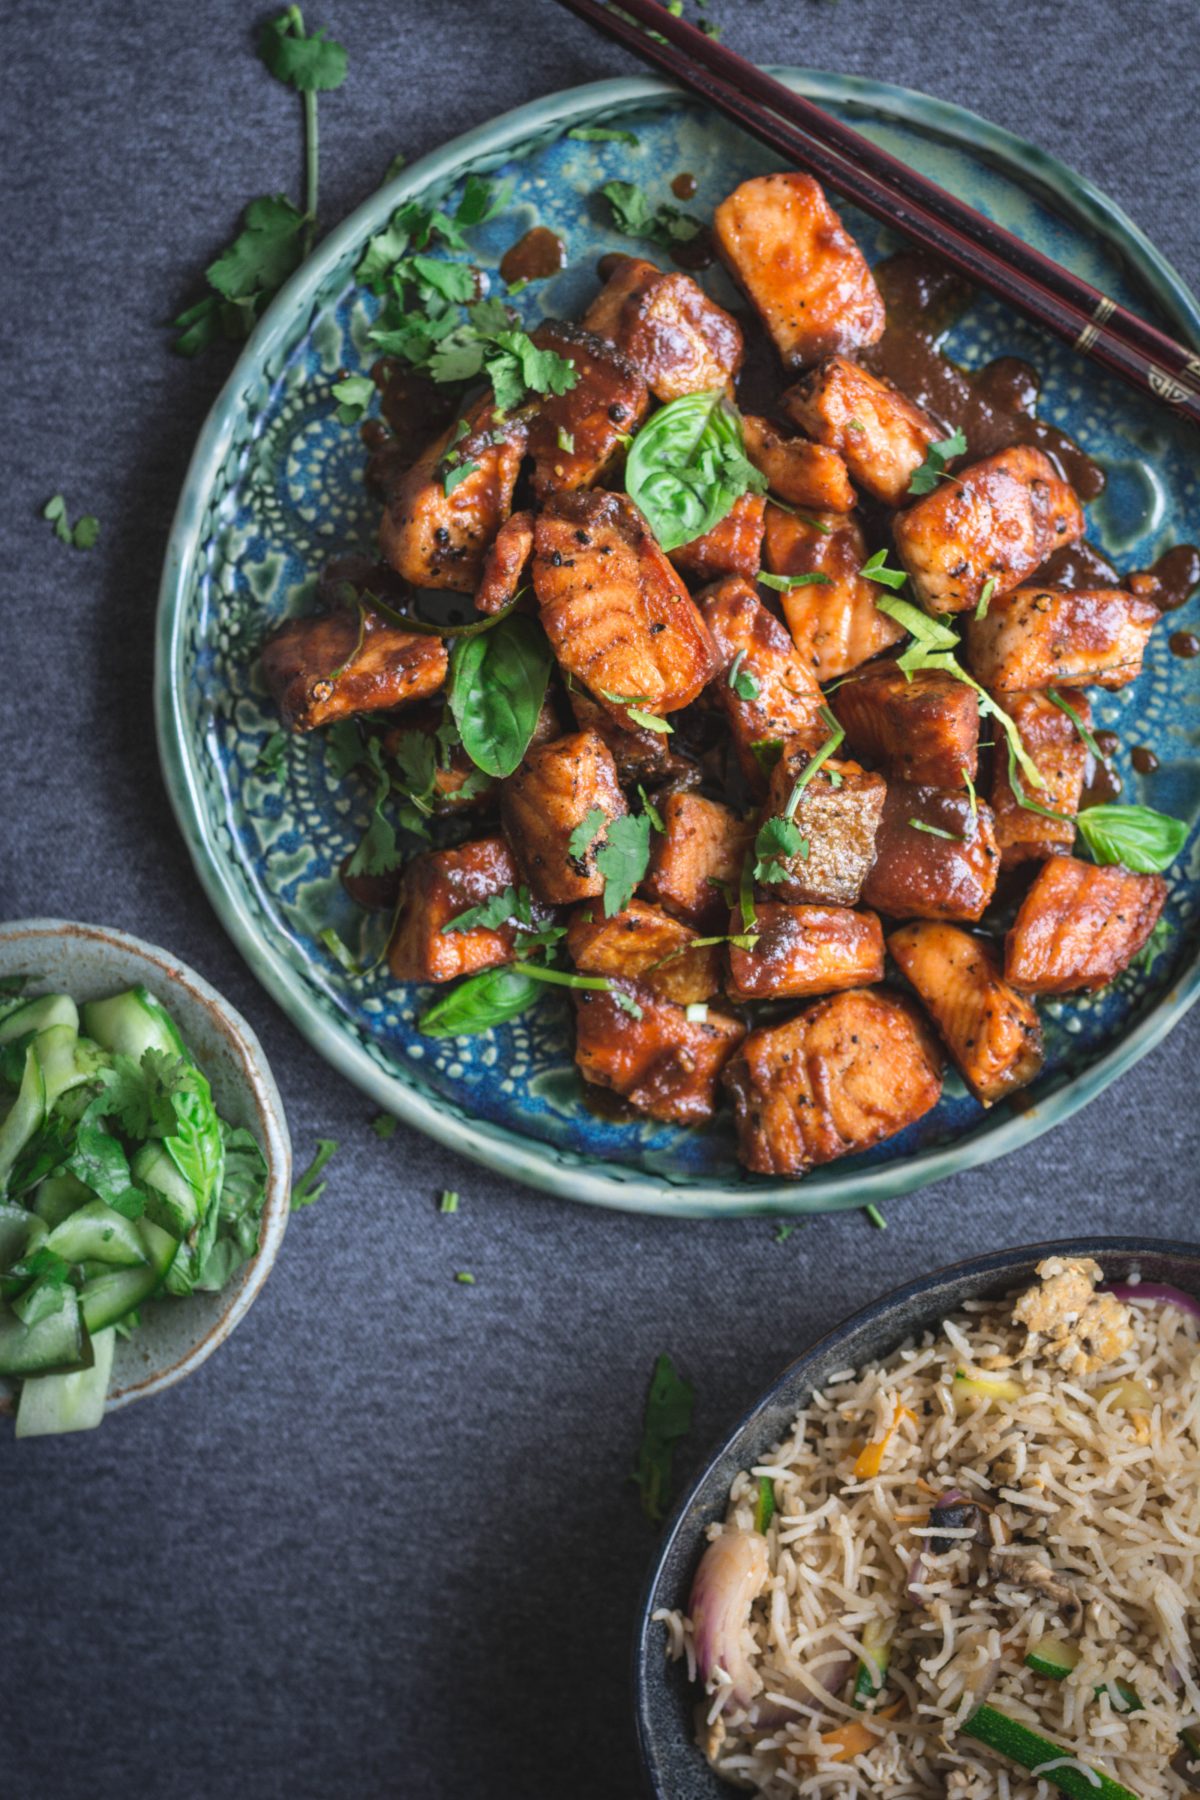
<point x="663" y="1700"/>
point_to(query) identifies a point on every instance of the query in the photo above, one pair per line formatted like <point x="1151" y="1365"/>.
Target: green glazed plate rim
<point x="538" y="1164"/>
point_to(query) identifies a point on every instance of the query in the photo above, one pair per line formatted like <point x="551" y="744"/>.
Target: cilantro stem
<point x="312" y="153"/>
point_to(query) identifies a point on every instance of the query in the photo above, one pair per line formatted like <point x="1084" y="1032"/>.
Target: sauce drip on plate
<point x="534" y="257"/>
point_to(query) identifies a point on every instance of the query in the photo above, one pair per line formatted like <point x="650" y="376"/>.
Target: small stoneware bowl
<point x="664" y="1702"/>
<point x="88" y="962"/>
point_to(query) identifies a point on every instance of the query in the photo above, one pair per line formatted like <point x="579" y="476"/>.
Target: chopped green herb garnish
<point x="80" y="536"/>
<point x="448" y="1202"/>
<point x="696" y="1013"/>
<point x="784" y="1230"/>
<point x="971" y="794"/>
<point x="933" y="469"/>
<point x="603" y="134"/>
<point x="688" y="468"/>
<point x="586" y="832"/>
<point x="876" y="1217"/>
<point x="764" y="1505"/>
<point x="651" y="811"/>
<point x="465" y="1277"/>
<point x="876" y="569"/>
<point x="566" y="441"/>
<point x="510" y="907"/>
<point x="1084" y="732"/>
<point x="384" y="1125"/>
<point x="989" y="588"/>
<point x="354" y="395"/>
<point x="454" y="477"/>
<point x="777" y="838"/>
<point x="836" y="735"/>
<point x="741" y="681"/>
<point x="623" y="859"/>
<point x="272" y="755"/>
<point x="1154" y="946"/>
<point x="636" y="216"/>
<point x="309" y="1188"/>
<point x="935" y="831"/>
<point x="783" y="584"/>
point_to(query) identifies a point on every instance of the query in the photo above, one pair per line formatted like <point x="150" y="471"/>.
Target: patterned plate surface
<point x="275" y="487"/>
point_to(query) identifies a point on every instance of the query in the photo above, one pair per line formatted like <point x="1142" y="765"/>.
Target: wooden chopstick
<point x="984" y="252"/>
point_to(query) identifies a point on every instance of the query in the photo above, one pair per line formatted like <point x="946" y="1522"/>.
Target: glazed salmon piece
<point x="334" y="664"/>
<point x="1061" y="757"/>
<point x="639" y="753"/>
<point x="879" y="434"/>
<point x="678" y="340"/>
<point x="696" y="862"/>
<point x="838" y="813"/>
<point x="802" y="951"/>
<point x="662" y="1063"/>
<point x="547" y="798"/>
<point x="579" y="437"/>
<point x="1080" y="925"/>
<point x="991" y="1032"/>
<point x="996" y="521"/>
<point x="645" y="944"/>
<point x="834" y="622"/>
<point x="799" y="472"/>
<point x="419" y="740"/>
<point x="935" y="856"/>
<point x="439" y="885"/>
<point x="732" y="547"/>
<point x="1041" y="637"/>
<point x="505" y="564"/>
<point x="842" y="1075"/>
<point x="618" y="616"/>
<point x="808" y="280"/>
<point x="439" y="540"/>
<point x="922" y="728"/>
<point x="764" y="688"/>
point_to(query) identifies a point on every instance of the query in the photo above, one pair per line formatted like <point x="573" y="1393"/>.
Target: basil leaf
<point x="480" y="1002"/>
<point x="497" y="685"/>
<point x="1144" y="840"/>
<point x="667" y="1419"/>
<point x="688" y="467"/>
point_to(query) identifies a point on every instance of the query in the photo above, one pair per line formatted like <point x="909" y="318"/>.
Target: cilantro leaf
<point x="82" y="535"/>
<point x="933" y="469"/>
<point x="586" y="832"/>
<point x="273" y="754"/>
<point x="308" y="1188"/>
<point x="635" y="215"/>
<point x="777" y="838"/>
<point x="623" y="859"/>
<point x="512" y="906"/>
<point x="309" y="62"/>
<point x="603" y="134"/>
<point x="355" y="394"/>
<point x="482" y="200"/>
<point x="667" y="1419"/>
<point x="740" y="680"/>
<point x="263" y="254"/>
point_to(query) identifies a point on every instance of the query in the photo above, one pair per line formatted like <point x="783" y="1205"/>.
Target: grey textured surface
<point x="382" y="1543"/>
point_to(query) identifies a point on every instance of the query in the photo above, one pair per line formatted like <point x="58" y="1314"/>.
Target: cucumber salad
<point x="119" y="1181"/>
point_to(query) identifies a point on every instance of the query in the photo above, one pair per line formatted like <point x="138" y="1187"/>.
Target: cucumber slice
<point x="20" y="1232"/>
<point x="107" y="1298"/>
<point x="26" y="1115"/>
<point x="170" y="1200"/>
<point x="58" y="1197"/>
<point x="129" y="1024"/>
<point x="74" y="1402"/>
<point x="98" y="1233"/>
<point x="37" y="1015"/>
<point x="1053" y="1657"/>
<point x="56" y="1342"/>
<point x="56" y="1050"/>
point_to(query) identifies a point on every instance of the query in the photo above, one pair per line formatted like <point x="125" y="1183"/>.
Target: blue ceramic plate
<point x="275" y="487"/>
<point x="664" y="1704"/>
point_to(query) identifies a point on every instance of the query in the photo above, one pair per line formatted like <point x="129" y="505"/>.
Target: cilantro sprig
<point x="276" y="234"/>
<point x="937" y="458"/>
<point x="636" y="216"/>
<point x="82" y="535"/>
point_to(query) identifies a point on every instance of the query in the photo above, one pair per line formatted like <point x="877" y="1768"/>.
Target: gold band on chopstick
<point x="1101" y="313"/>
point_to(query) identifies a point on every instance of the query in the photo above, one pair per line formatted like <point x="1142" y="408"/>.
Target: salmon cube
<point x="935" y="855"/>
<point x="505" y="564"/>
<point x="800" y="473"/>
<point x="1079" y="926"/>
<point x="696" y="862"/>
<point x="579" y="437"/>
<point x="767" y="692"/>
<point x="922" y="728"/>
<point x="436" y="539"/>
<point x="834" y="621"/>
<point x="881" y="436"/>
<point x="838" y="814"/>
<point x="655" y="1057"/>
<point x="545" y="802"/>
<point x="992" y="1033"/>
<point x="645" y="944"/>
<point x="678" y="340"/>
<point x="802" y="951"/>
<point x="841" y="1076"/>
<point x="1039" y="637"/>
<point x="348" y="660"/>
<point x="1061" y="757"/>
<point x="786" y="247"/>
<point x="732" y="547"/>
<point x="438" y="764"/>
<point x="617" y="615"/>
<point x="437" y="888"/>
<point x="639" y="753"/>
<point x="996" y="522"/>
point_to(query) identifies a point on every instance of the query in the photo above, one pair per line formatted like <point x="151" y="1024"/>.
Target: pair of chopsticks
<point x="988" y="255"/>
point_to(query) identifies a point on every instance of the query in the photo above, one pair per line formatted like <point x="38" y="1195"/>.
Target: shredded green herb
<point x="666" y="1420"/>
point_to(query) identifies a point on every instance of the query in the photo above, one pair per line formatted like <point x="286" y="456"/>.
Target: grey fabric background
<point x="383" y="1544"/>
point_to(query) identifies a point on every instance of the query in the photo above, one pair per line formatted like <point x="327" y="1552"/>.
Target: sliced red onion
<point x="952" y="1497"/>
<point x="1153" y="1290"/>
<point x="918" y="1568"/>
<point x="731" y="1575"/>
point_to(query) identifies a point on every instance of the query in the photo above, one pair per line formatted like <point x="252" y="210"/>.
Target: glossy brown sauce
<point x="995" y="406"/>
<point x="684" y="185"/>
<point x="694" y="253"/>
<point x="1143" y="759"/>
<point x="534" y="257"/>
<point x="1184" y="643"/>
<point x="414" y="409"/>
<point x="1080" y="565"/>
<point x="1171" y="580"/>
<point x="1103" y="780"/>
